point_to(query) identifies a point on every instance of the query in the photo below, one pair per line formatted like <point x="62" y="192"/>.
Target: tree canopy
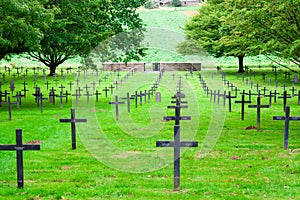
<point x="247" y="27"/>
<point x="21" y="24"/>
<point x="75" y="29"/>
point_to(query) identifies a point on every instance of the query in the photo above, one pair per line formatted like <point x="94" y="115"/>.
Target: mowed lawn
<point x="119" y="159"/>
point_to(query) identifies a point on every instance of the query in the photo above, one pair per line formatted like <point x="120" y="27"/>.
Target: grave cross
<point x="77" y="95"/>
<point x="298" y="97"/>
<point x="66" y="95"/>
<point x="105" y="90"/>
<point x="88" y="95"/>
<point x="270" y="95"/>
<point x="293" y="89"/>
<point x="61" y="96"/>
<point x="117" y="106"/>
<point x="127" y="98"/>
<point x="18" y="98"/>
<point x="73" y="122"/>
<point x="229" y="97"/>
<point x="141" y="97"/>
<point x="19" y="147"/>
<point x="9" y="103"/>
<point x="258" y="106"/>
<point x="41" y="99"/>
<point x="70" y="84"/>
<point x="94" y="85"/>
<point x="111" y="89"/>
<point x="287" y="118"/>
<point x="243" y="106"/>
<point x="284" y="97"/>
<point x="135" y="98"/>
<point x="47" y="85"/>
<point x="61" y="87"/>
<point x="177" y="116"/>
<point x="176" y="144"/>
<point x="97" y="95"/>
<point x="275" y="95"/>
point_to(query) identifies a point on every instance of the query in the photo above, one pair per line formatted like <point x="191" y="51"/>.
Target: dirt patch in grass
<point x="34" y="142"/>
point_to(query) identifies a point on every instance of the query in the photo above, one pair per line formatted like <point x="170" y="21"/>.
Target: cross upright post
<point x="287" y="118"/>
<point x="73" y="122"/>
<point x="284" y="97"/>
<point x="127" y="98"/>
<point x="258" y="106"/>
<point x="117" y="106"/>
<point x="105" y="90"/>
<point x="97" y="95"/>
<point x="19" y="147"/>
<point x="229" y="97"/>
<point x="243" y="102"/>
<point x="176" y="144"/>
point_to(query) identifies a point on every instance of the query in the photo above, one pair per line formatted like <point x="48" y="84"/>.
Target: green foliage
<point x="54" y="31"/>
<point x="247" y="28"/>
<point x="176" y="3"/>
<point x="80" y="26"/>
<point x="272" y="26"/>
<point x="21" y="25"/>
<point x="149" y="4"/>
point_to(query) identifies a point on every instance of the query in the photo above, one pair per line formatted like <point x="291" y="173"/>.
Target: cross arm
<point x="171" y="144"/>
<point x="9" y="147"/>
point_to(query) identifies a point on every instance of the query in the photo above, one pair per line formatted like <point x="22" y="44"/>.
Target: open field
<point x="119" y="159"/>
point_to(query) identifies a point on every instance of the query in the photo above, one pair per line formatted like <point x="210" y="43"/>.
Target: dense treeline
<point x="245" y="28"/>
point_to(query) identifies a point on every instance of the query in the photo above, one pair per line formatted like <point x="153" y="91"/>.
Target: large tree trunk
<point x="241" y="64"/>
<point x="52" y="69"/>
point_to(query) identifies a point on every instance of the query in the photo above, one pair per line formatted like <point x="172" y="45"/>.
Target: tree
<point x="20" y="26"/>
<point x="273" y="26"/>
<point x="176" y="3"/>
<point x="80" y="26"/>
<point x="246" y="28"/>
<point x="214" y="34"/>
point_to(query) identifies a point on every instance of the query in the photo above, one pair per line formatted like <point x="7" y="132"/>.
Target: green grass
<point x="116" y="160"/>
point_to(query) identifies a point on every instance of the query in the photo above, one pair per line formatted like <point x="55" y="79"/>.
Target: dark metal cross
<point x="243" y="102"/>
<point x="111" y="89"/>
<point x="77" y="95"/>
<point x="41" y="99"/>
<point x="88" y="95"/>
<point x="285" y="97"/>
<point x="105" y="90"/>
<point x="61" y="96"/>
<point x="176" y="144"/>
<point x="97" y="95"/>
<point x="19" y="147"/>
<point x="127" y="98"/>
<point x="229" y="97"/>
<point x="117" y="102"/>
<point x="73" y="122"/>
<point x="258" y="106"/>
<point x="287" y="118"/>
<point x="9" y="103"/>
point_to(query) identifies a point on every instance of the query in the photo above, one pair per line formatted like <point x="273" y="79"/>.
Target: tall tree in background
<point x="21" y="24"/>
<point x="245" y="28"/>
<point x="214" y="34"/>
<point x="272" y="25"/>
<point x="80" y="26"/>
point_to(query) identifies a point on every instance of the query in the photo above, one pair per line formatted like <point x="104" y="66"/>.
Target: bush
<point x="176" y="3"/>
<point x="149" y="4"/>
